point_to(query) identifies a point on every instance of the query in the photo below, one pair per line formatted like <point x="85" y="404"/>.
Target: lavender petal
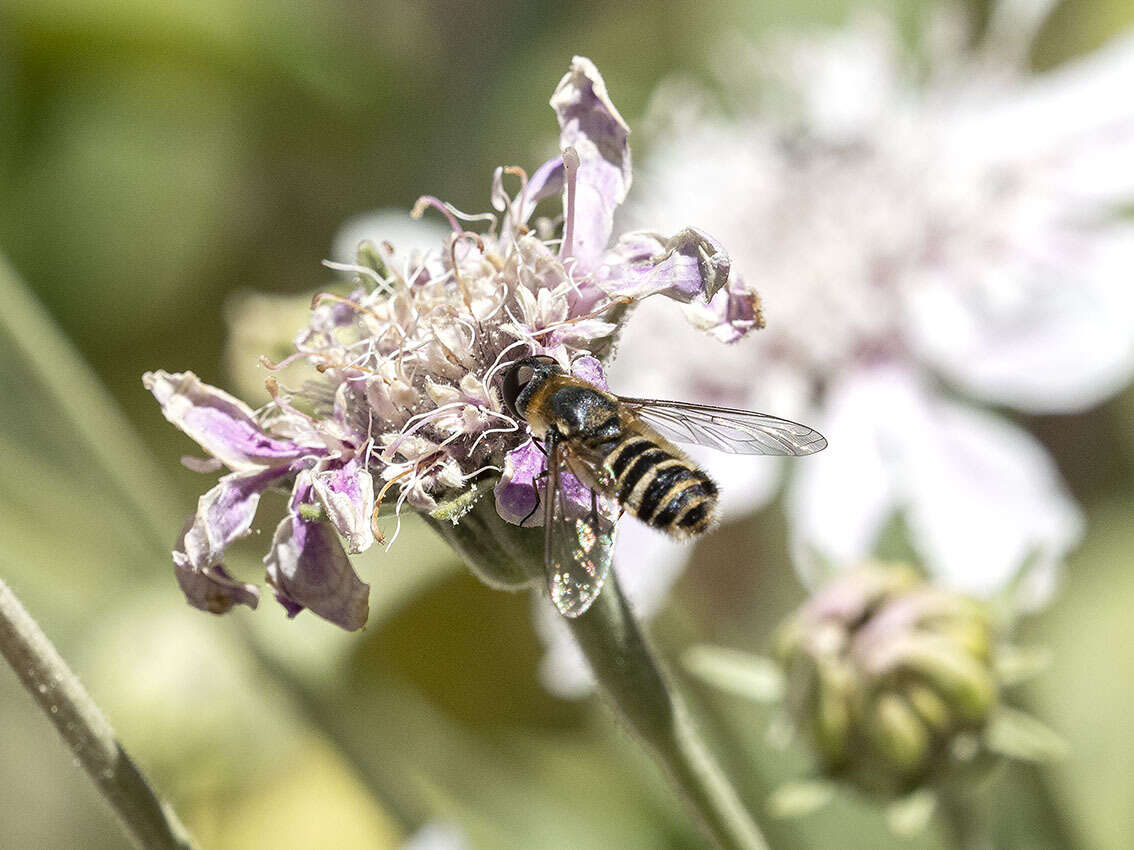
<point x="730" y="314"/>
<point x="590" y="123"/>
<point x="545" y="182"/>
<point x="308" y="567"/>
<point x="225" y="514"/>
<point x="589" y="369"/>
<point x="209" y="587"/>
<point x="516" y="491"/>
<point x="346" y="492"/>
<point x="221" y="424"/>
<point x="687" y="266"/>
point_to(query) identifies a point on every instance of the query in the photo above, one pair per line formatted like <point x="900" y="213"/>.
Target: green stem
<point x="501" y="555"/>
<point x="86" y="408"/>
<point x="963" y="825"/>
<point x="627" y="670"/>
<point x="632" y="678"/>
<point x="150" y="821"/>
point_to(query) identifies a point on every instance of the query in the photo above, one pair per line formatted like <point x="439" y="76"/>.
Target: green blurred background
<point x="158" y="158"/>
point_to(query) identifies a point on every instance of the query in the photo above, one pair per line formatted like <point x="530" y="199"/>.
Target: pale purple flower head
<point x="406" y="394"/>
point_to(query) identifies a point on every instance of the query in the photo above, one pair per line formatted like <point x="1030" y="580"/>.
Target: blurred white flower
<point x="437" y="835"/>
<point x="918" y="227"/>
<point x="410" y="235"/>
<point x="912" y="238"/>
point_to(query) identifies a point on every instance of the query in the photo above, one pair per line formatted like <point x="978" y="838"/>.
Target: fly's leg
<point x="535" y="489"/>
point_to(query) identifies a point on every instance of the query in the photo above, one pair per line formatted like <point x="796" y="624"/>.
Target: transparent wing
<point x="734" y="431"/>
<point x="579" y="545"/>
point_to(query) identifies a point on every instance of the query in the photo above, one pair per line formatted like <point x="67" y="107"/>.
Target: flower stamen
<point x="273" y="388"/>
<point x="516" y="210"/>
<point x="398" y="517"/>
<point x="378" y="534"/>
<point x="453" y="241"/>
<point x="450" y="212"/>
<point x="283" y="364"/>
<point x="327" y="296"/>
<point x="515" y="427"/>
<point x="496" y="364"/>
<point x="416" y="422"/>
<point x="571" y="167"/>
<point x="476" y="472"/>
<point x="425" y="201"/>
<point x="365" y="271"/>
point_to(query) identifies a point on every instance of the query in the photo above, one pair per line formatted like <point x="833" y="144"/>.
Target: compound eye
<point x="521" y="374"/>
<point x="515" y="379"/>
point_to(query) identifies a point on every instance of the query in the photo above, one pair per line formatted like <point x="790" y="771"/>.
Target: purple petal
<point x="309" y="569"/>
<point x="545" y="182"/>
<point x="224" y="514"/>
<point x="346" y="492"/>
<point x="210" y="587"/>
<point x="203" y="465"/>
<point x="686" y="266"/>
<point x="730" y="314"/>
<point x="222" y="425"/>
<point x="590" y="124"/>
<point x="590" y="369"/>
<point x="523" y="476"/>
<point x="516" y="491"/>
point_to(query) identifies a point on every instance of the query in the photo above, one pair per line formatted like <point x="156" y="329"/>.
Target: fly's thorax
<point x="576" y="410"/>
<point x="654" y="481"/>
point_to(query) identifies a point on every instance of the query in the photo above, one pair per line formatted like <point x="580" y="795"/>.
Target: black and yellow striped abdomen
<point x="659" y="485"/>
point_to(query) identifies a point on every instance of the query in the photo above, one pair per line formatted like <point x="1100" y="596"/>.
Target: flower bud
<point x="884" y="672"/>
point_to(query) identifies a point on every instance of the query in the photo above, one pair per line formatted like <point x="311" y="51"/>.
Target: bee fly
<point x="619" y="450"/>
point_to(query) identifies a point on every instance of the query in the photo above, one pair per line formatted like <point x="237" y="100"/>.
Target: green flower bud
<point x="884" y="672"/>
<point x="898" y="733"/>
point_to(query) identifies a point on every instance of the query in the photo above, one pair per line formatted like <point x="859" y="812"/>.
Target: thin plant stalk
<point x="962" y="824"/>
<point x="149" y="820"/>
<point x="635" y="683"/>
<point x="85" y="407"/>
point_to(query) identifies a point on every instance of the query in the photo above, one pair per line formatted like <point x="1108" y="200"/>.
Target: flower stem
<point x="501" y="555"/>
<point x="88" y="414"/>
<point x="963" y="825"/>
<point x="149" y="820"/>
<point x="631" y="676"/>
<point x="633" y="679"/>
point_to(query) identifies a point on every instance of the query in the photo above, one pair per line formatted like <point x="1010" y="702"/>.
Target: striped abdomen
<point x="659" y="486"/>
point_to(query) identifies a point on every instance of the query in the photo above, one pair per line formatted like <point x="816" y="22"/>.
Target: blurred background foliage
<point x="157" y="159"/>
